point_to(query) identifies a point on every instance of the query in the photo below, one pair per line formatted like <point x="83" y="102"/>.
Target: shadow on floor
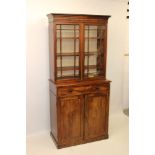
<point x="126" y="112"/>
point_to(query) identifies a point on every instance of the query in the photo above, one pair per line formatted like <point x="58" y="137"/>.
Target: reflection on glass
<point x="67" y="51"/>
<point x="94" y="37"/>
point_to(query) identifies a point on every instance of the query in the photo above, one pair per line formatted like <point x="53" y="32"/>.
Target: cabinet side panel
<point x="53" y="114"/>
<point x="105" y="48"/>
<point x="51" y="51"/>
<point x="107" y="112"/>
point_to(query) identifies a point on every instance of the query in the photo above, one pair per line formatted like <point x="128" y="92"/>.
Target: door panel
<point x="71" y="119"/>
<point x="67" y="51"/>
<point x="95" y="115"/>
<point x="94" y="49"/>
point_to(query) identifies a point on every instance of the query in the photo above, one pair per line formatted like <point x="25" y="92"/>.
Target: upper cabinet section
<point x="78" y="45"/>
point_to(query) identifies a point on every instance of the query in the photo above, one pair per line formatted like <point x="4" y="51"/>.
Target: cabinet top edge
<point x="84" y="82"/>
<point x="84" y="15"/>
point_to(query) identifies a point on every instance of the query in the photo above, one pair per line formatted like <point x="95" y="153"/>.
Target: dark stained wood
<point x="86" y="89"/>
<point x="68" y="54"/>
<point x="74" y="50"/>
<point x="51" y="51"/>
<point x="90" y="81"/>
<point x="66" y="68"/>
<point x="95" y="115"/>
<point x="60" y="50"/>
<point x="76" y="53"/>
<point x="67" y="29"/>
<point x="55" y="50"/>
<point x="81" y="20"/>
<point x="53" y="114"/>
<point x="67" y="38"/>
<point x="89" y="101"/>
<point x="71" y="119"/>
<point x="76" y="18"/>
<point x="88" y="52"/>
<point x="77" y="15"/>
<point x="79" y="104"/>
<point x="105" y="51"/>
<point x="81" y="49"/>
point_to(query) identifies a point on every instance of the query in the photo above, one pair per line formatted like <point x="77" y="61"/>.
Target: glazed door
<point x="71" y="119"/>
<point x="67" y="51"/>
<point x="94" y="50"/>
<point x="96" y="107"/>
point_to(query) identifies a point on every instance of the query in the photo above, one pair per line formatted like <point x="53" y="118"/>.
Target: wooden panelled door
<point x="95" y="115"/>
<point x="71" y="119"/>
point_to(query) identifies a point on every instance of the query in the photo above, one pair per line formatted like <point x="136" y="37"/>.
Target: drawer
<point x="79" y="90"/>
<point x="96" y="88"/>
<point x="68" y="91"/>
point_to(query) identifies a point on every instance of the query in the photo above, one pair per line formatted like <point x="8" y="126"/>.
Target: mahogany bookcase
<point x="79" y="90"/>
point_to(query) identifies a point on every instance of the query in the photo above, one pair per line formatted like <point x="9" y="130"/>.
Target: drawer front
<point x="70" y="91"/>
<point x="78" y="90"/>
<point x="96" y="88"/>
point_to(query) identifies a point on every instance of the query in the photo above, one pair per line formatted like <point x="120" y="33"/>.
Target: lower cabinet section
<point x="95" y="115"/>
<point x="71" y="119"/>
<point x="81" y="118"/>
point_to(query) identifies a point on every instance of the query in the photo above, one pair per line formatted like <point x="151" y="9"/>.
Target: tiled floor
<point x="117" y="144"/>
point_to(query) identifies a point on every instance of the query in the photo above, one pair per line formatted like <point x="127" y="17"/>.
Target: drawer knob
<point x="97" y="88"/>
<point x="70" y="90"/>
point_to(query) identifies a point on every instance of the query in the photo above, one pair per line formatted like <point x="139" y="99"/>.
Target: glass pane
<point x="90" y="45"/>
<point x="69" y="26"/>
<point x="68" y="33"/>
<point x="68" y="61"/>
<point x="67" y="45"/>
<point x="91" y="31"/>
<point x="94" y="51"/>
<point x="67" y="51"/>
<point x="92" y="60"/>
<point x="68" y="74"/>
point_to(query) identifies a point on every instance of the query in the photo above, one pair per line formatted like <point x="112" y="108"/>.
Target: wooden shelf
<point x="77" y="76"/>
<point x="90" y="53"/>
<point x="68" y="54"/>
<point x="68" y="38"/>
<point x="94" y="74"/>
<point x="91" y="29"/>
<point x="93" y="38"/>
<point x="77" y="53"/>
<point x="90" y="67"/>
<point x="68" y="76"/>
<point x="68" y="29"/>
<point x="90" y="74"/>
<point x="67" y="68"/>
<point x="95" y="29"/>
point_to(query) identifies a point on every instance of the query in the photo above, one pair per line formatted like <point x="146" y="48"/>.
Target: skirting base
<point x="59" y="146"/>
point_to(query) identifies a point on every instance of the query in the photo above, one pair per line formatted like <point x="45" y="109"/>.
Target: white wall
<point x="38" y="58"/>
<point x="126" y="70"/>
<point x="126" y="83"/>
